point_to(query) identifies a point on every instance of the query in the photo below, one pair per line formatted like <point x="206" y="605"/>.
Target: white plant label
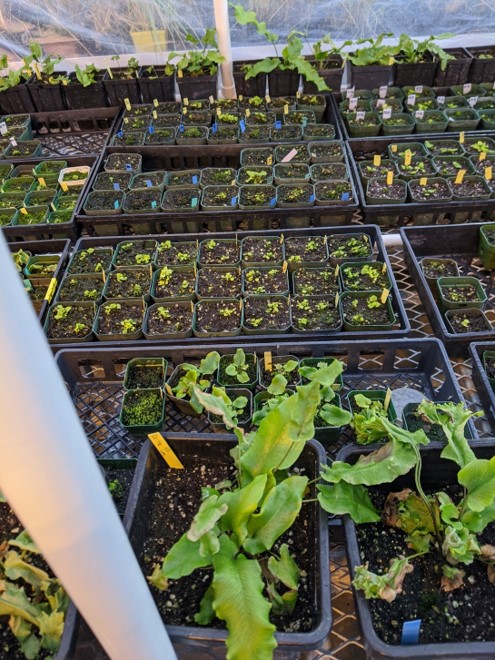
<point x="411" y="99"/>
<point x="350" y="93"/>
<point x="473" y="100"/>
<point x="383" y="91"/>
<point x="380" y="103"/>
<point x="418" y="89"/>
<point x="3" y="128"/>
<point x="353" y="104"/>
<point x="419" y="114"/>
<point x="387" y="113"/>
<point x="290" y="156"/>
<point x="466" y="88"/>
<point x="360" y="115"/>
<point x="440" y="100"/>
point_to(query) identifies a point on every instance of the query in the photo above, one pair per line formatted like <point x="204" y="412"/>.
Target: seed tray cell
<point x="460" y="243"/>
<point x="481" y="381"/>
<point x="95" y="380"/>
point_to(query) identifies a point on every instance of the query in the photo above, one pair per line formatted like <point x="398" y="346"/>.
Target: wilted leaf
<point x="452" y="578"/>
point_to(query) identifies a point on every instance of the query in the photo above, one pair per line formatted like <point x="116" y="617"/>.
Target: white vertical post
<point x="51" y="479"/>
<point x="221" y="10"/>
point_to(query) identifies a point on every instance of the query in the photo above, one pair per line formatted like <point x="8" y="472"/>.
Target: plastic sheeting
<point x="85" y="28"/>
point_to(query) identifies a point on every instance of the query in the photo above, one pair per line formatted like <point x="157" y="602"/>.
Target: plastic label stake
<point x="384" y="269"/>
<point x="312" y="198"/>
<point x="64" y="186"/>
<point x="345" y="197"/>
<point x="242" y="126"/>
<point x="233" y="201"/>
<point x="3" y="128"/>
<point x="391" y="60"/>
<point x="387" y="113"/>
<point x="120" y="134"/>
<point x="165" y="451"/>
<point x="418" y="89"/>
<point x="390" y="178"/>
<point x="337" y="270"/>
<point x="460" y="176"/>
<point x="110" y="73"/>
<point x="127" y="104"/>
<point x="440" y="100"/>
<point x="289" y="156"/>
<point x="267" y="355"/>
<point x="53" y="207"/>
<point x="267" y="98"/>
<point x="151" y="130"/>
<point x="155" y="103"/>
<point x="423" y="181"/>
<point x="13" y="142"/>
<point x="194" y="202"/>
<point x="353" y="103"/>
<point x="388" y="398"/>
<point x="488" y="173"/>
<point x="219" y="112"/>
<point x="155" y="114"/>
<point x="116" y="186"/>
<point x="393" y="148"/>
<point x="466" y="88"/>
<point x="419" y="114"/>
<point x="286" y="109"/>
<point x="284" y="267"/>
<point x="211" y="100"/>
<point x="377" y="160"/>
<point x="410" y="632"/>
<point x="153" y="204"/>
<point x="128" y="167"/>
<point x="23" y="210"/>
<point x="411" y="99"/>
<point x="116" y="204"/>
<point x="214" y="128"/>
<point x="337" y="299"/>
<point x="350" y="93"/>
<point x="42" y="182"/>
<point x="248" y="112"/>
<point x="180" y="73"/>
<point x="51" y="289"/>
<point x="240" y="97"/>
<point x="298" y="94"/>
<point x="473" y="100"/>
<point x="278" y="124"/>
<point x="126" y="120"/>
<point x="482" y="156"/>
<point x="407" y="157"/>
<point x="269" y="160"/>
<point x="273" y="201"/>
<point x="360" y="115"/>
<point x="461" y="137"/>
<point x="379" y="103"/>
<point x="195" y="178"/>
<point x="382" y="92"/>
<point x="384" y="296"/>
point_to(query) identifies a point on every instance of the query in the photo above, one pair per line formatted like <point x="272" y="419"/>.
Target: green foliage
<point x="88" y="75"/>
<point x="376" y="53"/>
<point x="201" y="61"/>
<point x="12" y="77"/>
<point x="238" y="368"/>
<point x="412" y="50"/>
<point x="367" y="421"/>
<point x="44" y="67"/>
<point x="385" y="586"/>
<point x="193" y="382"/>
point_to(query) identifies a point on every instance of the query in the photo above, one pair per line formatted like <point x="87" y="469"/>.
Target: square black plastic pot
<point x="119" y="89"/>
<point x="253" y="86"/>
<point x="77" y="96"/>
<point x="283" y="83"/>
<point x="368" y="77"/>
<point x="194" y="641"/>
<point x="419" y="73"/>
<point x="16" y="100"/>
<point x="197" y="87"/>
<point x="47" y="97"/>
<point x="457" y="70"/>
<point x="161" y="88"/>
<point x="436" y="472"/>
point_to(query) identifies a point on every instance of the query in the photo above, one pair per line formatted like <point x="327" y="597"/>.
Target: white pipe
<point x="221" y="10"/>
<point x="392" y="240"/>
<point x="52" y="481"/>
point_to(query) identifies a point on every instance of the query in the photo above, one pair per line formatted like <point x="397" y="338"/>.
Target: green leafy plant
<point x="116" y="489"/>
<point x="290" y="58"/>
<point x="34" y="602"/>
<point x="376" y="53"/>
<point x="202" y="61"/>
<point x="61" y="312"/>
<point x="12" y="77"/>
<point x="239" y="367"/>
<point x="413" y="51"/>
<point x="236" y="527"/>
<point x="88" y="75"/>
<point x="44" y="67"/>
<point x="193" y="378"/>
<point x="235" y="407"/>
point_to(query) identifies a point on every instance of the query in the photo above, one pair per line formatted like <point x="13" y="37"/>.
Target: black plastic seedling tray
<point x="460" y="243"/>
<point x="402" y="326"/>
<point x="94" y="377"/>
<point x="427" y="213"/>
<point x="481" y="381"/>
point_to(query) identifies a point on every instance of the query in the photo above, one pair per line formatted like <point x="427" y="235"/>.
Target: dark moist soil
<point x="281" y="102"/>
<point x="103" y="200"/>
<point x="62" y="328"/>
<point x="326" y="150"/>
<point x="140" y="200"/>
<point x="119" y="162"/>
<point x="227" y="133"/>
<point x="265" y="280"/>
<point x="220" y="196"/>
<point x="136" y="285"/>
<point x="374" y="316"/>
<point x="481" y="165"/>
<point x="263" y="250"/>
<point x="161" y="136"/>
<point x="327" y="171"/>
<point x="91" y="262"/>
<point x="450" y="166"/>
<point x="355" y="247"/>
<point x="10" y="527"/>
<point x="371" y="171"/>
<point x="286" y="133"/>
<point x="301" y="156"/>
<point x="167" y="107"/>
<point x="476" y="322"/>
<point x="214" y="283"/>
<point x="166" y="120"/>
<point x="181" y="199"/>
<point x="144" y="376"/>
<point x="174" y="503"/>
<point x="218" y="176"/>
<point x="252" y="372"/>
<point x="257" y="196"/>
<point x="184" y="179"/>
<point x="261" y="314"/>
<point x="199" y="118"/>
<point x="289" y="171"/>
<point x="180" y="285"/>
<point x="306" y="249"/>
<point x="435" y="269"/>
<point x="257" y="156"/>
<point x="127" y="253"/>
<point x="144" y="180"/>
<point x="357" y="278"/>
<point x="320" y="130"/>
<point x="489" y="364"/>
<point x="209" y="317"/>
<point x="433" y="190"/>
<point x="444" y="148"/>
<point x="379" y="189"/>
<point x="219" y="252"/>
<point x="176" y="254"/>
<point x="459" y="293"/>
<point x="446" y="617"/>
<point x="315" y="281"/>
<point x="255" y="134"/>
<point x="332" y="191"/>
<point x="111" y="324"/>
<point x="131" y="139"/>
<point x="124" y="476"/>
<point x="82" y="288"/>
<point x="180" y="319"/>
<point x="310" y="313"/>
<point x="134" y="123"/>
<point x="469" y="189"/>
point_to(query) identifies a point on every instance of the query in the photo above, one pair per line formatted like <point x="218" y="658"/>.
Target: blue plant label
<point x="278" y="123"/>
<point x="181" y="128"/>
<point x="273" y="201"/>
<point x="345" y="196"/>
<point x="304" y="122"/>
<point x="151" y="130"/>
<point x="410" y="632"/>
<point x="242" y="126"/>
<point x="128" y="167"/>
<point x="116" y="204"/>
<point x="153" y="204"/>
<point x="195" y="179"/>
<point x="194" y="202"/>
<point x="120" y="134"/>
<point x="149" y="183"/>
<point x="214" y="128"/>
<point x="116" y="186"/>
<point x="233" y="201"/>
<point x="312" y="198"/>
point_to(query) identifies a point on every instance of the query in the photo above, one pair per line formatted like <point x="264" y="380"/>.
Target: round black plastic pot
<point x="197" y="87"/>
<point x="47" y="97"/>
<point x="161" y="88"/>
<point x="419" y="73"/>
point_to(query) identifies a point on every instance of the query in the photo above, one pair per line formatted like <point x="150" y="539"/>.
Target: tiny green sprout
<point x="303" y="305"/>
<point x="137" y="290"/>
<point x="211" y="244"/>
<point x="256" y="322"/>
<point x="79" y="328"/>
<point x="112" y="307"/>
<point x="90" y="294"/>
<point x="228" y="277"/>
<point x="165" y="276"/>
<point x="227" y="311"/>
<point x="321" y="306"/>
<point x="166" y="245"/>
<point x="465" y="323"/>
<point x="163" y="313"/>
<point x="116" y="489"/>
<point x="373" y="302"/>
<point x="273" y="307"/>
<point x="128" y="325"/>
<point x="121" y="277"/>
<point x="143" y="258"/>
<point x="61" y="312"/>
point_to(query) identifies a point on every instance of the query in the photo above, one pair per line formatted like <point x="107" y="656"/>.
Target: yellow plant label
<point x="219" y="112"/>
<point x="460" y="176"/>
<point x="284" y="267"/>
<point x="377" y="160"/>
<point x="127" y="104"/>
<point x="337" y="271"/>
<point x="165" y="451"/>
<point x="281" y="239"/>
<point x="64" y="186"/>
<point x="337" y="299"/>
<point x="461" y="137"/>
<point x="384" y="269"/>
<point x="184" y="111"/>
<point x="211" y="99"/>
<point x="267" y="355"/>
<point x="384" y="296"/>
<point x="185" y="101"/>
<point x="286" y="109"/>
<point x="388" y="399"/>
<point x="180" y="73"/>
<point x="488" y="173"/>
<point x="42" y="182"/>
<point x="390" y="178"/>
<point x="37" y="70"/>
<point x="407" y="157"/>
<point x="393" y="148"/>
<point x="423" y="181"/>
<point x="126" y="120"/>
<point x="269" y="160"/>
<point x="23" y="210"/>
<point x="155" y="114"/>
<point x="168" y="389"/>
<point x="267" y="98"/>
<point x="482" y="156"/>
<point x="110" y="73"/>
<point x="51" y="289"/>
<point x="240" y="97"/>
<point x="155" y="103"/>
<point x="248" y="112"/>
<point x="391" y="60"/>
<point x="298" y="94"/>
<point x="53" y="207"/>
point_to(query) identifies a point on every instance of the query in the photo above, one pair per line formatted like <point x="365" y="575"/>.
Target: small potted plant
<point x="70" y="323"/>
<point x="363" y="124"/>
<point x="176" y="253"/>
<point x="122" y="82"/>
<point x="486" y="246"/>
<point x="367" y="310"/>
<point x="143" y="410"/>
<point x="261" y="280"/>
<point x="378" y="191"/>
<point x="174" y="283"/>
<point x="118" y="320"/>
<point x="81" y="288"/>
<point x="218" y="282"/>
<point x="238" y="369"/>
<point x="468" y="320"/>
<point x="372" y="64"/>
<point x="130" y="282"/>
<point x="303" y="251"/>
<point x="169" y="320"/>
<point x="262" y="251"/>
<point x="315" y="281"/>
<point x="46" y="86"/>
<point x="294" y="196"/>
<point x="315" y="314"/>
<point x="217" y="317"/>
<point x="460" y="292"/>
<point x="359" y="276"/>
<point x="219" y="252"/>
<point x="196" y="69"/>
<point x="85" y="89"/>
<point x="266" y="314"/>
<point x="271" y="366"/>
<point x="333" y="192"/>
<point x="187" y="378"/>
